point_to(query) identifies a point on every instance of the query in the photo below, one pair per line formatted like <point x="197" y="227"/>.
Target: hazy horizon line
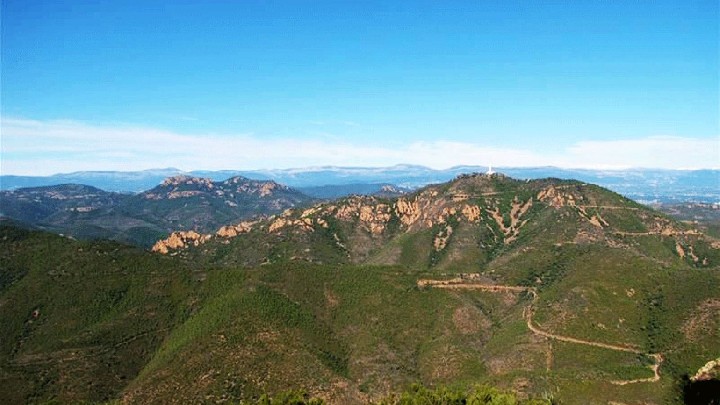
<point x="306" y="169"/>
<point x="46" y="147"/>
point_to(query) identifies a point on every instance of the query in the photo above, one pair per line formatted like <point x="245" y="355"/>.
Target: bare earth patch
<point x="469" y="320"/>
<point x="705" y="316"/>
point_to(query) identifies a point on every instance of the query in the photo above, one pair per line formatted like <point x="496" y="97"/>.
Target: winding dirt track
<point x="609" y="207"/>
<point x="461" y="284"/>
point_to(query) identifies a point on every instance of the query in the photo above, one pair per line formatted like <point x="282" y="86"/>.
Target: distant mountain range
<point x="180" y="202"/>
<point x="643" y="185"/>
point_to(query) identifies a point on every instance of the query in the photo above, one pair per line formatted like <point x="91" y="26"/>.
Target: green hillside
<point x="547" y="289"/>
<point x="354" y="334"/>
<point x="80" y="320"/>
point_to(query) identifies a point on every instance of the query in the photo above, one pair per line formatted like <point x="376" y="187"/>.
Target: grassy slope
<point x="348" y="333"/>
<point x="352" y="334"/>
<point x="81" y="319"/>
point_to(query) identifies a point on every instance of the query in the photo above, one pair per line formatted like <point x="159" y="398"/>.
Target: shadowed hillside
<point x="80" y="320"/>
<point x="180" y="202"/>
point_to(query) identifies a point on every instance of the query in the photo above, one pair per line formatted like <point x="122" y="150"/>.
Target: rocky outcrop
<point x="266" y="189"/>
<point x="518" y="209"/>
<point x="180" y="240"/>
<point x="375" y="218"/>
<point x="710" y="371"/>
<point x="559" y="196"/>
<point x="187" y="180"/>
<point x="230" y="190"/>
<point x="180" y="187"/>
<point x="441" y="238"/>
<point x="407" y="210"/>
<point x="471" y="213"/>
<point x="390" y="190"/>
<point x="231" y="231"/>
<point x="302" y="224"/>
<point x="256" y="187"/>
<point x="597" y="220"/>
<point x="510" y="230"/>
<point x="679" y="249"/>
<point x="555" y="197"/>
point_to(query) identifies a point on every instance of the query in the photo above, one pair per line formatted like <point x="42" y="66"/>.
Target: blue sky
<point x="129" y="85"/>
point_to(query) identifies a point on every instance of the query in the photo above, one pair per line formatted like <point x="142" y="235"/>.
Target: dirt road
<point x="463" y="284"/>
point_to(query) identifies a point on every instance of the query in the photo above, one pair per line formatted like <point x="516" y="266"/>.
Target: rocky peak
<point x="389" y="190"/>
<point x="237" y="180"/>
<point x="262" y="188"/>
<point x="187" y="180"/>
<point x="181" y="186"/>
<point x="187" y="186"/>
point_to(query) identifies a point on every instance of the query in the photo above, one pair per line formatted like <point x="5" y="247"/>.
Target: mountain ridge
<point x="493" y="208"/>
<point x="647" y="185"/>
<point x="181" y="201"/>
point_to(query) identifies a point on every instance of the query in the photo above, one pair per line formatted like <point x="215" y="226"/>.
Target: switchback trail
<point x="462" y="283"/>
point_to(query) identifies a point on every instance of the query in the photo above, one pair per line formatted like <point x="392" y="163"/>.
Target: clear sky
<point x="130" y="85"/>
